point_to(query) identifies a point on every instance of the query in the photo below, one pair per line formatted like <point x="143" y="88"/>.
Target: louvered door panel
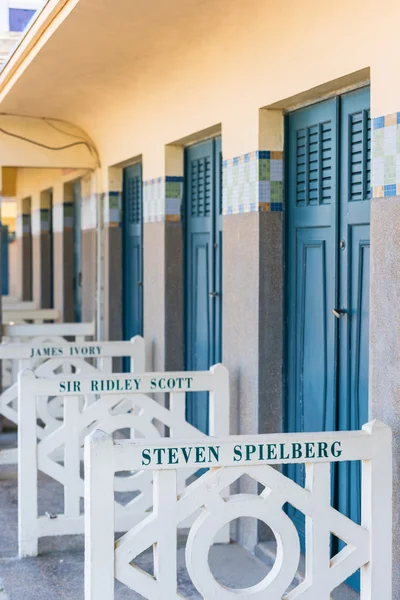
<point x="132" y="255"/>
<point x="359" y="133"/>
<point x="203" y="266"/>
<point x="313" y="164"/>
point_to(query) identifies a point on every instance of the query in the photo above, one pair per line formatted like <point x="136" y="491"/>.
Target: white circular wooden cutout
<point x="208" y="524"/>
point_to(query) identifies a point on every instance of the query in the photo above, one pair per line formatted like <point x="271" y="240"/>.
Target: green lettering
<point x="189" y="380"/>
<point x="153" y="384"/>
<point x="137" y="383"/>
<point x="261" y="451"/>
<point x="336" y="453"/>
<point x="172" y="456"/>
<point x="271" y="452"/>
<point x="250" y="449"/>
<point x="322" y="450"/>
<point x="171" y="383"/>
<point x="282" y="452"/>
<point x="159" y="383"/>
<point x="94" y="386"/>
<point x="186" y="453"/>
<point x="237" y="453"/>
<point x="310" y="452"/>
<point x="159" y="452"/>
<point x="296" y="450"/>
<point x="77" y="386"/>
<point x="146" y="459"/>
<point x="213" y="451"/>
<point x="200" y="454"/>
<point x="62" y="386"/>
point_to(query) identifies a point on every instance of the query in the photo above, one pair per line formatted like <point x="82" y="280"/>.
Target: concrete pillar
<point x="163" y="263"/>
<point x="24" y="243"/>
<point x="42" y="249"/>
<point x="63" y="256"/>
<point x="112" y="289"/>
<point x="253" y="287"/>
<point x="385" y="301"/>
<point x="90" y="199"/>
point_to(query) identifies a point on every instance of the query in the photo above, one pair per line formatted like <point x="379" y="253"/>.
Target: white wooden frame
<point x="6" y="300"/>
<point x="47" y="358"/>
<point x="369" y="546"/>
<point x="24" y="331"/>
<point x="140" y="412"/>
<point x="41" y="332"/>
<point x="37" y="315"/>
<point x="19" y="305"/>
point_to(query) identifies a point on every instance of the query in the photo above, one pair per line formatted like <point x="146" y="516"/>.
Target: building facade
<point x="223" y="178"/>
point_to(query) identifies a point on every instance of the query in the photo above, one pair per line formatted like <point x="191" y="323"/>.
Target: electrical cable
<point x="41" y="145"/>
<point x="81" y="141"/>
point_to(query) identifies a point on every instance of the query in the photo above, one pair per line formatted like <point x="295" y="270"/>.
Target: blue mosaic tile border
<point x="386" y="156"/>
<point x="253" y="182"/>
<point x="113" y="215"/>
<point x="162" y="199"/>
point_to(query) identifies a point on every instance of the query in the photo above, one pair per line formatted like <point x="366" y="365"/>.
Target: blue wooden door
<point x="354" y="261"/>
<point x="132" y="252"/>
<point x="203" y="266"/>
<point x="327" y="269"/>
<point x="51" y="250"/>
<point x="4" y="260"/>
<point x="312" y="273"/>
<point x="77" y="229"/>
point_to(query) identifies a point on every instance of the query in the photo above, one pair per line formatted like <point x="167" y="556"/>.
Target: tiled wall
<point x="162" y="199"/>
<point x="40" y="220"/>
<point x="253" y="183"/>
<point x="113" y="209"/>
<point x="386" y="156"/>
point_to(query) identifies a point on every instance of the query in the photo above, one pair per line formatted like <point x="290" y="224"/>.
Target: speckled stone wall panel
<point x="163" y="295"/>
<point x="63" y="244"/>
<point x="89" y="258"/>
<point x="384" y="375"/>
<point x="153" y="295"/>
<point x="252" y="332"/>
<point x="112" y="283"/>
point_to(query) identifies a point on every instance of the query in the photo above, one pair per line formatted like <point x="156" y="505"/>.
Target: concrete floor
<point x="57" y="573"/>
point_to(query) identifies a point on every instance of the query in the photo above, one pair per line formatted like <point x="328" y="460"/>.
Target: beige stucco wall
<point x="181" y="67"/>
<point x="248" y="56"/>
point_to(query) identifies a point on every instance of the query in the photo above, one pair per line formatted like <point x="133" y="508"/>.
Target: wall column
<point x="253" y="282"/>
<point x="41" y="249"/>
<point x="90" y="198"/>
<point x="385" y="300"/>
<point x="112" y="325"/>
<point x="63" y="256"/>
<point x="163" y="263"/>
<point x="24" y="243"/>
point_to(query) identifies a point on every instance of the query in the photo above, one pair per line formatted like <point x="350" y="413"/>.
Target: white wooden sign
<point x="122" y="402"/>
<point x="39" y="334"/>
<point x="51" y="359"/>
<point x="368" y="546"/>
